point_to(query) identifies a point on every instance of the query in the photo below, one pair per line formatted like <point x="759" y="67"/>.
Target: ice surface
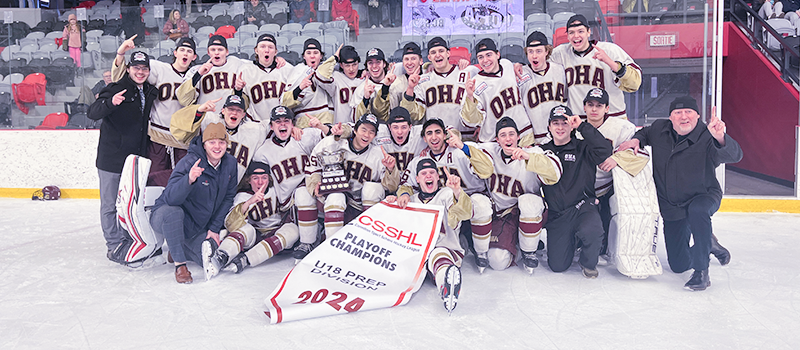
<point x="58" y="290"/>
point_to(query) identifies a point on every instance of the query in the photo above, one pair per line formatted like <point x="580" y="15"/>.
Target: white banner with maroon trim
<point x="375" y="261"/>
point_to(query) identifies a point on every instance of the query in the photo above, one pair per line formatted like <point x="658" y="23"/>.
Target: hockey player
<point x="493" y="94"/>
<point x="199" y="194"/>
<point x="370" y="172"/>
<point x="596" y="64"/>
<point x="685" y="154"/>
<point x="571" y="201"/>
<point x="340" y="84"/>
<point x="263" y="81"/>
<point x="258" y="226"/>
<point x="376" y="69"/>
<point x="212" y="80"/>
<point x="542" y="84"/>
<point x="444" y="260"/>
<point x="164" y="150"/>
<point x="390" y="95"/>
<point x="287" y="159"/>
<point x="305" y="98"/>
<point x="399" y="138"/>
<point x="516" y="212"/>
<point x="439" y="94"/>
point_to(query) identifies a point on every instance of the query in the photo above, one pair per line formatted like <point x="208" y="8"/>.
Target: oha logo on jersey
<point x="569" y="157"/>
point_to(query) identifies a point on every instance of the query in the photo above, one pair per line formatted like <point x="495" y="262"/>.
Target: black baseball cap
<point x="412" y="49"/>
<point x="266" y="37"/>
<point x="683" y="102"/>
<point x="348" y="54"/>
<point x="256" y="167"/>
<point x="485" y="44"/>
<point x="139" y="58"/>
<point x="188" y="43"/>
<point x="430" y="122"/>
<point x="312" y="44"/>
<point x="577" y="21"/>
<point x="235" y="101"/>
<point x="399" y="115"/>
<point x="437" y="41"/>
<point x="505" y="122"/>
<point x="597" y="94"/>
<point x="536" y="38"/>
<point x="375" y="53"/>
<point x="218" y="40"/>
<point x="281" y="112"/>
<point x="368" y="118"/>
<point x="559" y="112"/>
<point x="426" y="163"/>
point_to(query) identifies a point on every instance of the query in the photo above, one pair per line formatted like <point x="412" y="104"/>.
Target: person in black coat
<point x="686" y="153"/>
<point x="571" y="202"/>
<point x="124" y="107"/>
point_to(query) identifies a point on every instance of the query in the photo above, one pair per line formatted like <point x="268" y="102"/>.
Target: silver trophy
<point x="333" y="176"/>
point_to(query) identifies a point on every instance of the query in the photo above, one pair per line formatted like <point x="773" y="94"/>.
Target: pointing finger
<point x="197" y="162"/>
<point x="263" y="187"/>
<point x="384" y="152"/>
<point x="121" y="92"/>
<point x="217" y="100"/>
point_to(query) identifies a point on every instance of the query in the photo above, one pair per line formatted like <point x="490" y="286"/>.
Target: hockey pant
<point x="438" y="261"/>
<point x="244" y="240"/>
<point x="164" y="159"/>
<point x="306" y="215"/>
<point x="131" y="200"/>
<point x="500" y="247"/>
<point x="336" y="203"/>
<point x="581" y="222"/>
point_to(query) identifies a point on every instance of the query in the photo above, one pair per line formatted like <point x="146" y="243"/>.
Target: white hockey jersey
<point x="584" y="72"/>
<point x="498" y="96"/>
<point x="617" y="131"/>
<point x="340" y="89"/>
<point x="359" y="167"/>
<point x="288" y="161"/>
<point x="244" y="140"/>
<point x="442" y="95"/>
<point x="541" y="91"/>
<point x="312" y="100"/>
<point x="264" y="215"/>
<point x="512" y="178"/>
<point x="402" y="153"/>
<point x="264" y="87"/>
<point x="449" y="237"/>
<point x="451" y="160"/>
<point x="218" y="82"/>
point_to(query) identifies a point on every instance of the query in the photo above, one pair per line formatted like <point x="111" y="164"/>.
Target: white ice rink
<point x="58" y="290"/>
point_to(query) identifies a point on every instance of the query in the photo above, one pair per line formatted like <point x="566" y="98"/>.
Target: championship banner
<point x="462" y="17"/>
<point x="375" y="261"/>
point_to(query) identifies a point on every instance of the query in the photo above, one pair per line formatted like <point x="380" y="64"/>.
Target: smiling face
<point x="312" y="57"/>
<point x="428" y="180"/>
<point x="400" y="131"/>
<point x="215" y="150"/>
<point x="579" y="37"/>
<point x="139" y="73"/>
<point x="266" y="52"/>
<point x="440" y="56"/>
<point x="411" y="63"/>
<point x="595" y="111"/>
<point x="507" y="138"/>
<point x="218" y="54"/>
<point x="233" y="116"/>
<point x="684" y="120"/>
<point x="350" y="69"/>
<point x="560" y="130"/>
<point x="282" y="127"/>
<point x="72" y="19"/>
<point x="375" y="68"/>
<point x="364" y="135"/>
<point x="176" y="15"/>
<point x="183" y="58"/>
<point x="537" y="57"/>
<point x="258" y="179"/>
<point x="434" y="137"/>
<point x="489" y="61"/>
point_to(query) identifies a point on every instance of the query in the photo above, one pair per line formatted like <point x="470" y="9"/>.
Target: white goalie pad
<point x="633" y="232"/>
<point x="132" y="198"/>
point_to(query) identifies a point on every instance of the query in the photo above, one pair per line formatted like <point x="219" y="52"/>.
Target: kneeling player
<point x="257" y="226"/>
<point x="444" y="261"/>
<point x="516" y="211"/>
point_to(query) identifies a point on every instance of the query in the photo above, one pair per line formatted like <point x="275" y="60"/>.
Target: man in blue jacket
<point x="198" y="195"/>
<point x="685" y="154"/>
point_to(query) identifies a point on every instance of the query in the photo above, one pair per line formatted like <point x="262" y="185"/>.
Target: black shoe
<point x="699" y="281"/>
<point x="721" y="253"/>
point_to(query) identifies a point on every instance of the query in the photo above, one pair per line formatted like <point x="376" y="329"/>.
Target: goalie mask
<point x="47" y="193"/>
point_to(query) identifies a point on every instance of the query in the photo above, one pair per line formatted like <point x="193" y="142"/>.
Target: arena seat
<point x="560" y="19"/>
<point x="290" y="30"/>
<point x="290" y="56"/>
<point x="31" y="89"/>
<point x="281" y="43"/>
<point x="312" y="29"/>
<point x="53" y="121"/>
<point x="226" y="31"/>
<point x="560" y="36"/>
<point x="514" y="53"/>
<point x="280" y="18"/>
<point x="458" y="53"/>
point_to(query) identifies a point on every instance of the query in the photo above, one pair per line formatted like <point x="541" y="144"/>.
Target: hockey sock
<point x="481" y="234"/>
<point x="265" y="249"/>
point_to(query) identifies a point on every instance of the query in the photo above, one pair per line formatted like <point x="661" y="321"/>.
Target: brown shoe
<point x="182" y="274"/>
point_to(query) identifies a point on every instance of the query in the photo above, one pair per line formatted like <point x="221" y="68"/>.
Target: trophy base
<point x="328" y="188"/>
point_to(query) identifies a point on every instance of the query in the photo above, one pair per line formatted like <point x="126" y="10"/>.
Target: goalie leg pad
<point x="130" y="209"/>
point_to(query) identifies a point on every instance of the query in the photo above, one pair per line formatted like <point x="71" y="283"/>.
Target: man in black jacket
<point x="124" y="107"/>
<point x="571" y="202"/>
<point x="686" y="153"/>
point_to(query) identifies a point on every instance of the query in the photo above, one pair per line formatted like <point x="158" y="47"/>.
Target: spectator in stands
<point x="74" y="37"/>
<point x="131" y="21"/>
<point x="102" y="83"/>
<point x="255" y="12"/>
<point x="375" y="14"/>
<point x="323" y="11"/>
<point x="176" y="27"/>
<point x="789" y="9"/>
<point x="299" y="12"/>
<point x="395" y="12"/>
<point x="342" y="10"/>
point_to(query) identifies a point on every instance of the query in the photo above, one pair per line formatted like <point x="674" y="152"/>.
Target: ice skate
<point x="238" y="263"/>
<point x="451" y="288"/>
<point x="530" y="261"/>
<point x="213" y="259"/>
<point x="301" y="251"/>
<point x="699" y="281"/>
<point x="482" y="261"/>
